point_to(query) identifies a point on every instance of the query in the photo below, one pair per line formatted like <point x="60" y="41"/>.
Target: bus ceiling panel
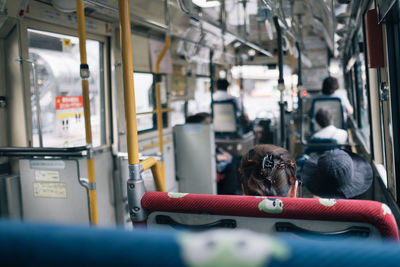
<point x="152" y="23"/>
<point x="6" y="25"/>
<point x="192" y="52"/>
<point x="149" y="13"/>
<point x="197" y="14"/>
<point x="3" y="14"/>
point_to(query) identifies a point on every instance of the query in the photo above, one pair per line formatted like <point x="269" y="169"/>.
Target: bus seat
<point x="225" y="118"/>
<point x="320" y="145"/>
<point x="271" y="214"/>
<point x="333" y="105"/>
<point x="28" y="244"/>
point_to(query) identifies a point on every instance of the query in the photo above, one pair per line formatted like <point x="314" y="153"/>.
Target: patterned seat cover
<point x="364" y="211"/>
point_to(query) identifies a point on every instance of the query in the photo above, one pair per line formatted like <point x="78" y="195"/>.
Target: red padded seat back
<point x="364" y="211"/>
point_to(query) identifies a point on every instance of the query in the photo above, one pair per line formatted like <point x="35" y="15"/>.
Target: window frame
<point x="105" y="101"/>
<point x="357" y="88"/>
<point x="163" y="105"/>
<point x="393" y="50"/>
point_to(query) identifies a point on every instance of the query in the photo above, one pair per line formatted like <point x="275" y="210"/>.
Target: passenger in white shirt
<point x="330" y="88"/>
<point x="221" y="95"/>
<point x="328" y="130"/>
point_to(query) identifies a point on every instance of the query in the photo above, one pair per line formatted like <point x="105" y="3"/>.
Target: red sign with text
<point x="69" y="102"/>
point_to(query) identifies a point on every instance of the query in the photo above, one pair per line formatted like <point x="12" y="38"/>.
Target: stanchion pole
<point x="84" y="72"/>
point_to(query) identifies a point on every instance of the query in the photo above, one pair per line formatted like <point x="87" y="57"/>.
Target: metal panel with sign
<point x="51" y="191"/>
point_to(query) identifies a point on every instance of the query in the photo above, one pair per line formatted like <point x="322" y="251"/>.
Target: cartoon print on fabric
<point x="230" y="248"/>
<point x="386" y="209"/>
<point x="327" y="202"/>
<point x="176" y="195"/>
<point x="271" y="205"/>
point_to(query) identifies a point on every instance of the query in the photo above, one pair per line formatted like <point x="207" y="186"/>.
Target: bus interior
<point x="112" y="130"/>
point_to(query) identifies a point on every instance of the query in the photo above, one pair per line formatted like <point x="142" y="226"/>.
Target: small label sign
<point x="47" y="176"/>
<point x="47" y="164"/>
<point x="49" y="190"/>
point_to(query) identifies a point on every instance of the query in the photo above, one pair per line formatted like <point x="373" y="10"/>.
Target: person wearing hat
<point x="337" y="174"/>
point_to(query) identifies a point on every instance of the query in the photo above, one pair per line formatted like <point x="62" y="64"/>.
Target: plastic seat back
<point x="333" y="105"/>
<point x="225" y="118"/>
<point x="327" y="217"/>
<point x="25" y="244"/>
<point x="320" y="145"/>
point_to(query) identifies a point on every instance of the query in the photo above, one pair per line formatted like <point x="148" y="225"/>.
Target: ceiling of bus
<point x="249" y="20"/>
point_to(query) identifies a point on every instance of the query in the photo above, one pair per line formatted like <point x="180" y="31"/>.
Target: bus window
<point x="363" y="113"/>
<point x="361" y="89"/>
<point x="56" y="92"/>
<point x="202" y="97"/>
<point x="178" y="112"/>
<point x="145" y="100"/>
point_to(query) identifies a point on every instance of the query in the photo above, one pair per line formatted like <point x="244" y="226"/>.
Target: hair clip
<point x="267" y="165"/>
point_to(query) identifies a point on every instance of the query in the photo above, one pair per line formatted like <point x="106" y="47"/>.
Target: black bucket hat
<point x="337" y="173"/>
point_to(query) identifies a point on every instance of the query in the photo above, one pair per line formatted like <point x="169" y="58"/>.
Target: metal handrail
<point x="44" y="152"/>
<point x="161" y="171"/>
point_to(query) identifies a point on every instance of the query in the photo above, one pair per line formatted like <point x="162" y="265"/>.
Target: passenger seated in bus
<point x="337" y="174"/>
<point x="227" y="164"/>
<point x="330" y="88"/>
<point x="222" y="94"/>
<point x="268" y="170"/>
<point x="328" y="130"/>
<point x="201" y="117"/>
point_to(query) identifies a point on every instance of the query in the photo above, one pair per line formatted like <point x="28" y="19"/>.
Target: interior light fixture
<point x="206" y="4"/>
<point x="251" y="52"/>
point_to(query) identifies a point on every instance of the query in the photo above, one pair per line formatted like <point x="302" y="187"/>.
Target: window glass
<point x="164" y="100"/>
<point x="202" y="97"/>
<point x="178" y="112"/>
<point x="362" y="108"/>
<point x="354" y="85"/>
<point x="144" y="98"/>
<point x="163" y="90"/>
<point x="56" y="92"/>
<point x="362" y="91"/>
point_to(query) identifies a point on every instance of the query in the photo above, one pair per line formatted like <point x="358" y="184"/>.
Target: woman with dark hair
<point x="329" y="85"/>
<point x="268" y="170"/>
<point x="328" y="130"/>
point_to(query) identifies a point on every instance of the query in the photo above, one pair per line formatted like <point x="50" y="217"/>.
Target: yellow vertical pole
<point x="86" y="109"/>
<point x="159" y="108"/>
<point x="135" y="184"/>
<point x="129" y="90"/>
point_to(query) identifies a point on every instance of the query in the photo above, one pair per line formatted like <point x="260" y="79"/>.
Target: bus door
<point x="55" y="188"/>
